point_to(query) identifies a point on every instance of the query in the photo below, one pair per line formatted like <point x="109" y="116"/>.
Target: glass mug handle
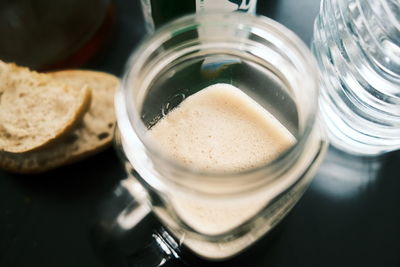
<point x="126" y="232"/>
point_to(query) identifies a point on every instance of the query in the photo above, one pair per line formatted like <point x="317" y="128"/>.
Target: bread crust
<point x="25" y="125"/>
<point x="93" y="134"/>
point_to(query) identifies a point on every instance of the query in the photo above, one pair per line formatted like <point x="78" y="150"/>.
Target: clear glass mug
<point x="265" y="60"/>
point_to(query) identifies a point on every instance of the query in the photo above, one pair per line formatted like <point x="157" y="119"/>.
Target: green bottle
<point x="159" y="12"/>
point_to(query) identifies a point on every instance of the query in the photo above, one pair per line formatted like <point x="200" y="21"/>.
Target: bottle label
<point x="226" y="5"/>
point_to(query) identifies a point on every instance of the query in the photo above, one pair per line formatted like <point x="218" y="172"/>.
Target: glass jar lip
<point x="151" y="42"/>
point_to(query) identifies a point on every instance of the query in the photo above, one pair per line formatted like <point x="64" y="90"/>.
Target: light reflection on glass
<point x="343" y="175"/>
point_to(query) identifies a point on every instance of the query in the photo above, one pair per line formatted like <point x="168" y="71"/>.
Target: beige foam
<point x="219" y="129"/>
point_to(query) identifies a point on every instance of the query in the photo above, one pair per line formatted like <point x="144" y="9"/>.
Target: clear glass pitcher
<point x="357" y="46"/>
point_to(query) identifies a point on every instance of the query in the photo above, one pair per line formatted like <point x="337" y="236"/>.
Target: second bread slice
<point x="93" y="134"/>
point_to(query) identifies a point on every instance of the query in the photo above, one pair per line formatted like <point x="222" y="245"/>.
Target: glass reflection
<point x="344" y="175"/>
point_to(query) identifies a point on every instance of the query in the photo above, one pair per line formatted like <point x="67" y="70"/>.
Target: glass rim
<point x="152" y="42"/>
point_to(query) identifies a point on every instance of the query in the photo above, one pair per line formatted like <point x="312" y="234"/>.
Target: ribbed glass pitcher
<point x="357" y="46"/>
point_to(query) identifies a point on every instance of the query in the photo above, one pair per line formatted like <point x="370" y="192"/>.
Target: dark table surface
<point x="349" y="216"/>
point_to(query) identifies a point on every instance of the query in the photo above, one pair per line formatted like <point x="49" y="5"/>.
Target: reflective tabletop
<point x="349" y="216"/>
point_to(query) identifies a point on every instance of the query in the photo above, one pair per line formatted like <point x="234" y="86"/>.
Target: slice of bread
<point x="94" y="133"/>
<point x="35" y="110"/>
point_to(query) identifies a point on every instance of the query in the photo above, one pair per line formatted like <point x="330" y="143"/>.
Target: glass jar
<point x="357" y="46"/>
<point x="266" y="61"/>
<point x="45" y="34"/>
